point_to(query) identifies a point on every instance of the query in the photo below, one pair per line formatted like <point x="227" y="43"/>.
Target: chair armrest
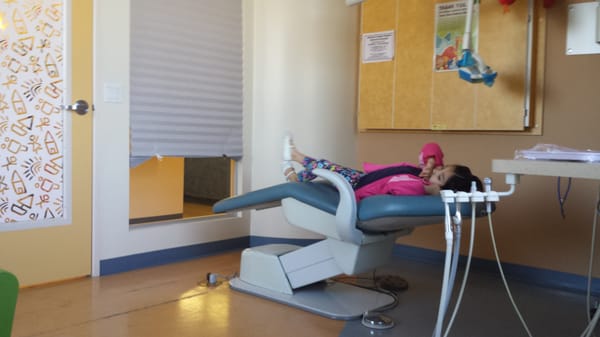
<point x="345" y="216"/>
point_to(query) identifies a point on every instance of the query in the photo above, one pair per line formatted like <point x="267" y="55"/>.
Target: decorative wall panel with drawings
<point x="31" y="119"/>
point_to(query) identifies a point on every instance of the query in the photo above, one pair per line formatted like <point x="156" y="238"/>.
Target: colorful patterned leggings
<point x="350" y="174"/>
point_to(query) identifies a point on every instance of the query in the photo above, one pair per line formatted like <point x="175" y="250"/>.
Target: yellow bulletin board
<point x="407" y="93"/>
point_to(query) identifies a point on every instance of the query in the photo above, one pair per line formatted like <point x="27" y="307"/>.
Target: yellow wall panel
<point x="414" y="64"/>
<point x="376" y="95"/>
<point x="503" y="45"/>
<point x="378" y="15"/>
<point x="423" y="99"/>
<point x="453" y="102"/>
<point x="376" y="85"/>
<point x="156" y="188"/>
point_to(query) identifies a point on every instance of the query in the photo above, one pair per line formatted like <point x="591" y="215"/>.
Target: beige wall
<point x="528" y="226"/>
<point x="304" y="68"/>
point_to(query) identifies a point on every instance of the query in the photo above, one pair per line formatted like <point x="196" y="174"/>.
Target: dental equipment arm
<point x="453" y="237"/>
<point x="471" y="66"/>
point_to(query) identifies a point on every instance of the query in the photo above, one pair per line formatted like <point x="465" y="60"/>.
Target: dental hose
<point x="589" y="330"/>
<point x="455" y="254"/>
<point x="446" y="293"/>
<point x="591" y="261"/>
<point x="446" y="277"/>
<point x="592" y="321"/>
<point x="454" y="259"/>
<point x="452" y="243"/>
<point x="466" y="275"/>
<point x="504" y="278"/>
<point x="468" y="264"/>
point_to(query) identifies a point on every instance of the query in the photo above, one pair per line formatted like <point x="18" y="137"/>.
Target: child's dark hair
<point x="461" y="180"/>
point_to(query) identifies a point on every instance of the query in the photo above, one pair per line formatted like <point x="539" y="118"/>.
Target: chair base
<point x="330" y="299"/>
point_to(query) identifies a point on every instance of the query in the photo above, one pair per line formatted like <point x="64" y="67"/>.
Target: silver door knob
<point x="80" y="107"/>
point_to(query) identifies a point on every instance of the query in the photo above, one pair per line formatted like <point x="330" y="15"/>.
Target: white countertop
<point x="552" y="168"/>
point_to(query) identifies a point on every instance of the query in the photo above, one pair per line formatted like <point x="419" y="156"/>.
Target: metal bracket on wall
<point x="582" y="28"/>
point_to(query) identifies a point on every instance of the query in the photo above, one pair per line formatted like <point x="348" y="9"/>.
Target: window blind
<point x="186" y="78"/>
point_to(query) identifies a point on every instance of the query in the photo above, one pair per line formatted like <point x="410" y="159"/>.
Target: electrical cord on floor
<point x="374" y="287"/>
<point x="504" y="278"/>
<point x="390" y="306"/>
<point x="589" y="330"/>
<point x="388" y="282"/>
<point x="215" y="280"/>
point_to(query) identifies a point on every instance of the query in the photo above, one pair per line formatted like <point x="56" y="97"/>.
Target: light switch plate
<point x="113" y="93"/>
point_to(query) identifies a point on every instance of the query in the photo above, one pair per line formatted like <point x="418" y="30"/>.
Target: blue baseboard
<point x="514" y="272"/>
<point x="165" y="256"/>
<point x="256" y="241"/>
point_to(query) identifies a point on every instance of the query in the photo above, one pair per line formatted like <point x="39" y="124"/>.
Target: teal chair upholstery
<point x="9" y="289"/>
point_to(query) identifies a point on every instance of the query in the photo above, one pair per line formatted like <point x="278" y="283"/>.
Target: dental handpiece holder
<point x="487" y="196"/>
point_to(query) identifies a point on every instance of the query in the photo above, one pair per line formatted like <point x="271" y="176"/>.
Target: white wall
<point x="300" y="75"/>
<point x="305" y="68"/>
<point x="112" y="235"/>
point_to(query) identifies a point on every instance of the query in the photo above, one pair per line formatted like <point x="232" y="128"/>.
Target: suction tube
<point x="446" y="277"/>
<point x="471" y="66"/>
<point x="452" y="235"/>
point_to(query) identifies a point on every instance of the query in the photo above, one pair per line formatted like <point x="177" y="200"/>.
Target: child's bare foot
<point x="297" y="156"/>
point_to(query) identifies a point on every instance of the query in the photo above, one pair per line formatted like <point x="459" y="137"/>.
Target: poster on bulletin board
<point x="450" y="18"/>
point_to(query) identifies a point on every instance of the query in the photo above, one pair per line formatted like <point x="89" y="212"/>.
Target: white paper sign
<point x="378" y="47"/>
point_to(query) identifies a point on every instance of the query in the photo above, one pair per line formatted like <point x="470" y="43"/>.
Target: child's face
<point x="439" y="178"/>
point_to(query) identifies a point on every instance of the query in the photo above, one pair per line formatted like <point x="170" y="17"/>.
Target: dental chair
<point x="358" y="237"/>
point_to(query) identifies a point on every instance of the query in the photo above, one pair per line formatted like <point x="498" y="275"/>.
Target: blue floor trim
<point x="532" y="275"/>
<point x="264" y="240"/>
<point x="514" y="272"/>
<point x="165" y="256"/>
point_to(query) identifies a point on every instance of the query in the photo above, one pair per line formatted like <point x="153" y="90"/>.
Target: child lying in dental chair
<point x="429" y="177"/>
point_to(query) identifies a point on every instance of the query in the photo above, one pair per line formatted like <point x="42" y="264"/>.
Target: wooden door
<point x="45" y="189"/>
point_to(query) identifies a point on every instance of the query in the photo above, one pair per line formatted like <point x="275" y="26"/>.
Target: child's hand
<point x="428" y="168"/>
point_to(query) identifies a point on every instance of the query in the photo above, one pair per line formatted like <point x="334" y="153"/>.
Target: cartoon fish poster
<point x="450" y="20"/>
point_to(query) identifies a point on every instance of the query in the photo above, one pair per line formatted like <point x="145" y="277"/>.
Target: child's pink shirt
<point x="400" y="184"/>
